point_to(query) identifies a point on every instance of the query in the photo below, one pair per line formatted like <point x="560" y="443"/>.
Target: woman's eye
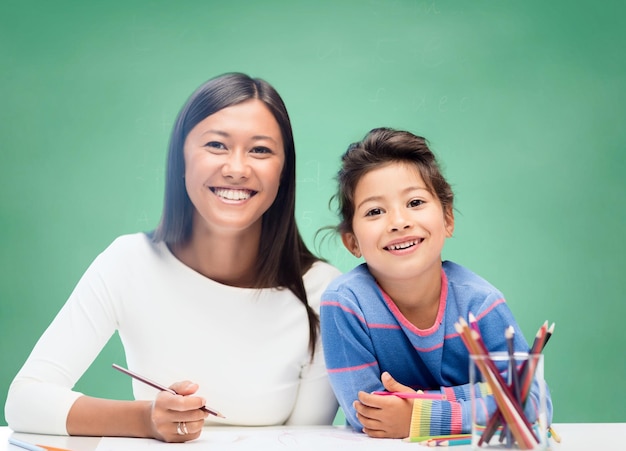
<point x="261" y="150"/>
<point x="215" y="145"/>
<point x="374" y="212"/>
<point x="416" y="203"/>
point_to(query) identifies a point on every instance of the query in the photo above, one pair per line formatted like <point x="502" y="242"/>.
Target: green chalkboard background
<point x="523" y="101"/>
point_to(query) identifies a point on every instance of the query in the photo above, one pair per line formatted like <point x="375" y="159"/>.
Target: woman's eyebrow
<point x="227" y="135"/>
<point x="215" y="132"/>
<point x="263" y="137"/>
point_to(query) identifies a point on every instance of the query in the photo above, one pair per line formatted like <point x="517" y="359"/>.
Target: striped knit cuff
<point x="463" y="392"/>
<point x="483" y="389"/>
<point x="450" y="393"/>
<point x="420" y="418"/>
<point x="433" y="417"/>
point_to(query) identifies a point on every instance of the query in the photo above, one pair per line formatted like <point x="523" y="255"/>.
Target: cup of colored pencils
<point x="503" y="414"/>
<point x="501" y="417"/>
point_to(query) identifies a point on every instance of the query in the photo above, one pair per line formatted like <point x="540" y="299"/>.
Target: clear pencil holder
<point x="504" y="414"/>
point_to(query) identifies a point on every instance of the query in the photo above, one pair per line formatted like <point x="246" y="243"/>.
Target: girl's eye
<point x="416" y="203"/>
<point x="374" y="212"/>
<point x="215" y="145"/>
<point x="261" y="150"/>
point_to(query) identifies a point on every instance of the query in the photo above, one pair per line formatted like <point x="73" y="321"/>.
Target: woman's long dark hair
<point x="283" y="257"/>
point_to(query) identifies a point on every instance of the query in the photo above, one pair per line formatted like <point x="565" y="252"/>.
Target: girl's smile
<point x="403" y="245"/>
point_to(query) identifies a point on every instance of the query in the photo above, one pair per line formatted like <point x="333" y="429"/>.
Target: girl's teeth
<point x="397" y="247"/>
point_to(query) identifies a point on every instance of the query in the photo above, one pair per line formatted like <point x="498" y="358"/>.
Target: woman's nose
<point x="236" y="166"/>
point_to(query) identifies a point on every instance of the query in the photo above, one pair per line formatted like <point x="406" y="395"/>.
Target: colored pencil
<point x="509" y="334"/>
<point x="31" y="447"/>
<point x="24" y="445"/>
<point x="426" y="438"/>
<point x="158" y="386"/>
<point x="548" y="334"/>
<point x="450" y="442"/>
<point x="411" y="395"/>
<point x="527" y="372"/>
<point x="554" y="435"/>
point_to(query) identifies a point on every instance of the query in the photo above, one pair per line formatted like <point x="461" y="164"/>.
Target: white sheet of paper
<point x="262" y="438"/>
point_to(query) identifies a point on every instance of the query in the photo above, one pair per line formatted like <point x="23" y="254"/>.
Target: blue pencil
<point x="28" y="446"/>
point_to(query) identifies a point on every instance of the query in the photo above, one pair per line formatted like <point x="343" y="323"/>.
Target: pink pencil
<point x="411" y="395"/>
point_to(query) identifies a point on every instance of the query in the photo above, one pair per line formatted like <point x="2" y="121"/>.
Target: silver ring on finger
<point x="181" y="428"/>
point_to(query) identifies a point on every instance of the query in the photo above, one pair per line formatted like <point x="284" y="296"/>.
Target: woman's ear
<point x="351" y="243"/>
<point x="449" y="219"/>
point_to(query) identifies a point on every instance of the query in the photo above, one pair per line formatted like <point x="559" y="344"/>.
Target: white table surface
<point x="574" y="437"/>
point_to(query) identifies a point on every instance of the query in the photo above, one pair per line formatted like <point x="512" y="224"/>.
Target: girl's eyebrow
<point x="368" y="199"/>
<point x="375" y="198"/>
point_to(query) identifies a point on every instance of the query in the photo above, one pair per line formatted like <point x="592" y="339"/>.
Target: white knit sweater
<point x="246" y="348"/>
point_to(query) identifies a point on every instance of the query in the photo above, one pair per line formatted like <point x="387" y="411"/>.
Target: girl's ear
<point x="449" y="218"/>
<point x="351" y="243"/>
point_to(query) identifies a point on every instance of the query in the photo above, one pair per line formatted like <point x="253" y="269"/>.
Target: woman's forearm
<point x="103" y="417"/>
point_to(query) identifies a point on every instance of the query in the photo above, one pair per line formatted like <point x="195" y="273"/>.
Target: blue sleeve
<point x="349" y="352"/>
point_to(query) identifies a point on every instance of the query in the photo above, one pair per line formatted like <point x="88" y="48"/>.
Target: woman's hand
<point x="178" y="418"/>
<point x="385" y="416"/>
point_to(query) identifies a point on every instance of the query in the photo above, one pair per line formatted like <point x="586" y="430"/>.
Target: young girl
<point x="388" y="325"/>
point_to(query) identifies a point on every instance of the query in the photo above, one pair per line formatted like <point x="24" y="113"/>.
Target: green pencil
<point x="425" y="438"/>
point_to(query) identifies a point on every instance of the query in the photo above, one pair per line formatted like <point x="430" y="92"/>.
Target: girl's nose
<point x="398" y="221"/>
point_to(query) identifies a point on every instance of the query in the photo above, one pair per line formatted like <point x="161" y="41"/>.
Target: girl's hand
<point x="385" y="416"/>
<point x="173" y="413"/>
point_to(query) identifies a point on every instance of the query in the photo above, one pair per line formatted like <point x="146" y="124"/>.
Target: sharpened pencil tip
<point x="542" y="330"/>
<point x="509" y="333"/>
<point x="212" y="412"/>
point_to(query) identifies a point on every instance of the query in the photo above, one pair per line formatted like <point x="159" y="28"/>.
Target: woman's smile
<point x="233" y="194"/>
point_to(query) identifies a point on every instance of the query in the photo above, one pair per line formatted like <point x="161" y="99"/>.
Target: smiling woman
<point x="193" y="301"/>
